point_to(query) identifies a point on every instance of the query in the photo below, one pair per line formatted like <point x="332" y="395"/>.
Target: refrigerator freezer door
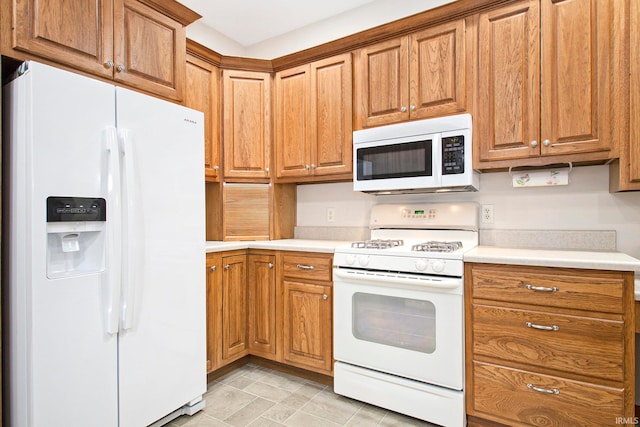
<point x="63" y="363"/>
<point x="162" y="357"/>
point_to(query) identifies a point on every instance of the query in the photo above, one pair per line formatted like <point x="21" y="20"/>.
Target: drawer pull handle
<point x="543" y="390"/>
<point x="542" y="327"/>
<point x="305" y="267"/>
<point x="541" y="288"/>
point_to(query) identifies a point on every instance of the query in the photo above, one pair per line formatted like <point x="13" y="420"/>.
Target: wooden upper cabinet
<point x="438" y="70"/>
<point x="150" y="49"/>
<point x="313" y="120"/>
<point x="140" y="43"/>
<point x="381" y="82"/>
<point x="544" y="80"/>
<point x="624" y="173"/>
<point x="418" y="76"/>
<point x="247" y="125"/>
<point x="76" y="33"/>
<point x="203" y="94"/>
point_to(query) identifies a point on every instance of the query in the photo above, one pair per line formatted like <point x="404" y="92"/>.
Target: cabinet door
<point x="262" y="305"/>
<point x="330" y="124"/>
<point x="508" y="117"/>
<point x="150" y="49"/>
<point x="214" y="312"/>
<point x="575" y="76"/>
<point x="634" y="61"/>
<point x="72" y="32"/>
<point x="438" y="71"/>
<point x="382" y="86"/>
<point x="293" y="129"/>
<point x="234" y="307"/>
<point x="247" y="124"/>
<point x="202" y="93"/>
<point x="307" y="326"/>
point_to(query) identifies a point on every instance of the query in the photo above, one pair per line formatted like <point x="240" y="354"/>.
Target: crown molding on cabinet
<point x="447" y="12"/>
<point x="174" y="10"/>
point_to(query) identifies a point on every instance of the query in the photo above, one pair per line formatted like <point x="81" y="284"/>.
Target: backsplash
<point x="581" y="215"/>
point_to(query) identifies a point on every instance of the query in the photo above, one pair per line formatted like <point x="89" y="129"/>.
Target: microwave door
<point x="390" y="165"/>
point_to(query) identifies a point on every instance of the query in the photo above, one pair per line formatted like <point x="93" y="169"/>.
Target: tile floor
<point x="256" y="396"/>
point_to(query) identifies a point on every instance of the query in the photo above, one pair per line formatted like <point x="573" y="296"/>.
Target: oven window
<point x="410" y="159"/>
<point x="399" y="322"/>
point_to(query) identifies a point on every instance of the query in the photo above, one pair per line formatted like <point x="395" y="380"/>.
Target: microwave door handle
<point x="437" y="159"/>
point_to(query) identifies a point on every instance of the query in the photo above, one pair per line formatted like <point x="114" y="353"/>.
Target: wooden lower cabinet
<point x="307" y="326"/>
<point x="549" y="346"/>
<point x="271" y="304"/>
<point x="226" y="308"/>
<point x="263" y="297"/>
<point x="307" y="311"/>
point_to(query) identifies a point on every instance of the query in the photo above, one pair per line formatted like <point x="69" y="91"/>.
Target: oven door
<point x="408" y="325"/>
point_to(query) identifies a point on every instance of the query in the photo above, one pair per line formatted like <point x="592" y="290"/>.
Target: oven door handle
<point x="400" y="279"/>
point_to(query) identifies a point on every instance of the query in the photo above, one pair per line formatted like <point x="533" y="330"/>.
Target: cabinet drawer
<point x="595" y="291"/>
<point x="307" y="267"/>
<point x="557" y="401"/>
<point x="581" y="345"/>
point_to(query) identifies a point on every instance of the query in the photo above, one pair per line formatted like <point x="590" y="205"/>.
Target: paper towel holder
<point x="540" y="178"/>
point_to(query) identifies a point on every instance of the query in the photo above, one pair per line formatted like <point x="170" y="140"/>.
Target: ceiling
<point x="248" y="22"/>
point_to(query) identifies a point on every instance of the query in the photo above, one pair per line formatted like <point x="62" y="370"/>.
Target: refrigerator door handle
<point x="114" y="231"/>
<point x="132" y="250"/>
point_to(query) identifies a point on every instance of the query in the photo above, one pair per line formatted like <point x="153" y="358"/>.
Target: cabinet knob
<point x="313" y="166"/>
<point x="109" y="64"/>
<point x="403" y="109"/>
<point x="413" y="108"/>
<point x="215" y="168"/>
<point x="266" y="170"/>
<point x="270" y="265"/>
<point x="306" y="167"/>
<point x="546" y="143"/>
<point x="227" y="267"/>
<point x="534" y="143"/>
<point x="325" y="296"/>
<point x="213" y="268"/>
<point x="121" y="68"/>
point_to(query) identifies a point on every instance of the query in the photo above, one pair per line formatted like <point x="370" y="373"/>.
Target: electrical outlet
<point x="487" y="214"/>
<point x="331" y="214"/>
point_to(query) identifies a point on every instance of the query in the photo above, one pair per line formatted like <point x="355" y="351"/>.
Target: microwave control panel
<point x="453" y="155"/>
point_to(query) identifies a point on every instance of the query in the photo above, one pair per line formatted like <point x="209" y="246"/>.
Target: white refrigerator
<point x="105" y="289"/>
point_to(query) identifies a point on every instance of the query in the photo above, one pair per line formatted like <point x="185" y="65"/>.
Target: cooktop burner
<point x="437" y="246"/>
<point x="378" y="244"/>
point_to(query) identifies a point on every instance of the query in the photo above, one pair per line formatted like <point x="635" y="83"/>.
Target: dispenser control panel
<point x="67" y="209"/>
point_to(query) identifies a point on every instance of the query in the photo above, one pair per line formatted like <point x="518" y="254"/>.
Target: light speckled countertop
<point x="600" y="260"/>
<point x="553" y="258"/>
<point x="303" y="245"/>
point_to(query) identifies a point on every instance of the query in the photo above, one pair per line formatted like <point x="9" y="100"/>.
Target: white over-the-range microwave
<point x="421" y="156"/>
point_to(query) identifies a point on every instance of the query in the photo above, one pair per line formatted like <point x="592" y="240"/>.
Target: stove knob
<point x="421" y="265"/>
<point x="350" y="259"/>
<point x="437" y="266"/>
<point x="363" y="260"/>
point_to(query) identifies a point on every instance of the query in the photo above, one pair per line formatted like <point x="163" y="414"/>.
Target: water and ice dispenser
<point x="76" y="228"/>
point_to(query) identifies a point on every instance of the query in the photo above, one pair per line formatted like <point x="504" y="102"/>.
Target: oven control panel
<point x="406" y="264"/>
<point x="430" y="214"/>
